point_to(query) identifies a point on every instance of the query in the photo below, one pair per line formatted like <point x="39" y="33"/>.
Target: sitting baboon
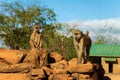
<point x="35" y="39"/>
<point x="37" y="56"/>
<point x="81" y="42"/>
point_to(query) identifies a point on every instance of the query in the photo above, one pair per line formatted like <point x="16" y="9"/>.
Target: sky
<point x="99" y="17"/>
<point x="68" y="10"/>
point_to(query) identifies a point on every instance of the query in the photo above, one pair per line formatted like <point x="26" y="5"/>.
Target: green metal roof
<point x="105" y="50"/>
<point x="110" y="59"/>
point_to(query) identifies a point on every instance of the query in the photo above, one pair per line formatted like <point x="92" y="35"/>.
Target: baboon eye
<point x="37" y="28"/>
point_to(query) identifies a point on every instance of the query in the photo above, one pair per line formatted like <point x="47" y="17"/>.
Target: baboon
<point x="37" y="56"/>
<point x="35" y="39"/>
<point x="81" y="42"/>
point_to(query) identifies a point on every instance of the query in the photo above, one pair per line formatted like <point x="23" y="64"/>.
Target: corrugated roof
<point x="105" y="50"/>
<point x="110" y="59"/>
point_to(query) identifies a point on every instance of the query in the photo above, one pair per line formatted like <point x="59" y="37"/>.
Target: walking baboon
<point x="35" y="39"/>
<point x="81" y="42"/>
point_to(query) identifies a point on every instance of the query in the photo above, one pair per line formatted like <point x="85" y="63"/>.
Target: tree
<point x="64" y="42"/>
<point x="16" y="23"/>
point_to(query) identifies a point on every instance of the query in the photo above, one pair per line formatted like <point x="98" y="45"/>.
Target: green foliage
<point x="70" y="50"/>
<point x="100" y="40"/>
<point x="16" y="27"/>
<point x="16" y="23"/>
<point x="54" y="40"/>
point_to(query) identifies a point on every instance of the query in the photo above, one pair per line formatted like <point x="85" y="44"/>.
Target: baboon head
<point x="77" y="35"/>
<point x="37" y="28"/>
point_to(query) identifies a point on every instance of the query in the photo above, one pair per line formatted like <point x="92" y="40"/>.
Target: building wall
<point x="116" y="66"/>
<point x="105" y="65"/>
<point x="118" y="60"/>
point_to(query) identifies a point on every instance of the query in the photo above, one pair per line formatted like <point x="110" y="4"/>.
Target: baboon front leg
<point x="80" y="56"/>
<point x="81" y="51"/>
<point x="83" y="58"/>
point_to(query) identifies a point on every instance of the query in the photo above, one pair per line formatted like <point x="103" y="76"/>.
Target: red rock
<point x="61" y="77"/>
<point x="80" y="68"/>
<point x="73" y="61"/>
<point x="11" y="56"/>
<point x="59" y="65"/>
<point x="37" y="74"/>
<point x="47" y="70"/>
<point x="37" y="58"/>
<point x="58" y="71"/>
<point x="84" y="77"/>
<point x="13" y="76"/>
<point x="50" y="77"/>
<point x="71" y="78"/>
<point x="56" y="56"/>
<point x="14" y="68"/>
<point x="75" y="76"/>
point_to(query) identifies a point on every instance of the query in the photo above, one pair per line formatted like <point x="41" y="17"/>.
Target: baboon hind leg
<point x="87" y="54"/>
<point x="83" y="58"/>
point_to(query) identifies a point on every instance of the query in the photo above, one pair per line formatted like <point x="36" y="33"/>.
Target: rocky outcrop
<point x="15" y="68"/>
<point x="13" y="76"/>
<point x="57" y="67"/>
<point x="11" y="56"/>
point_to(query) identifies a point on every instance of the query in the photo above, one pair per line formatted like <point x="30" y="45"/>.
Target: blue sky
<point x="68" y="10"/>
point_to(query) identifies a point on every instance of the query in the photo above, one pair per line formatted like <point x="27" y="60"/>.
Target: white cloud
<point x="106" y="27"/>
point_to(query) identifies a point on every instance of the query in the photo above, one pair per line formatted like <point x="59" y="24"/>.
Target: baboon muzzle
<point x="77" y="38"/>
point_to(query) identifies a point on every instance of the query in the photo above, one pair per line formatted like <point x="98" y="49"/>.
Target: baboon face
<point x="37" y="28"/>
<point x="77" y="34"/>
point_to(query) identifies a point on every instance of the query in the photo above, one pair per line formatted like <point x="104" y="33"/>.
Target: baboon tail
<point x="87" y="33"/>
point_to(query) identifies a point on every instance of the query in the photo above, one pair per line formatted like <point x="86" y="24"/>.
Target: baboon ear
<point x="81" y="32"/>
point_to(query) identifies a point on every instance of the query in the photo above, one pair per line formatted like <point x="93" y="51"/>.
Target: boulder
<point x="73" y="61"/>
<point x="46" y="70"/>
<point x="37" y="58"/>
<point x="71" y="78"/>
<point x="58" y="71"/>
<point x="59" y="65"/>
<point x="80" y="68"/>
<point x="50" y="77"/>
<point x="56" y="56"/>
<point x="14" y="68"/>
<point x="75" y="76"/>
<point x="43" y="58"/>
<point x="84" y="77"/>
<point x="13" y="76"/>
<point x="11" y="56"/>
<point x="60" y="77"/>
<point x="36" y="74"/>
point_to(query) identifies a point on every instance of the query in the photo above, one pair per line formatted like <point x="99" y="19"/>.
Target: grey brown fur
<point x="82" y="42"/>
<point x="35" y="39"/>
